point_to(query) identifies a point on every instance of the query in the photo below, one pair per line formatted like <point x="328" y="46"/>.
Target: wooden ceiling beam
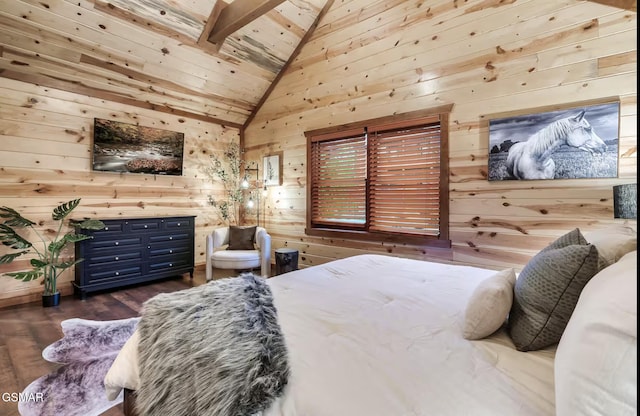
<point x="236" y="15"/>
<point x="293" y="56"/>
<point x="631" y="5"/>
<point x="76" y="88"/>
<point x="203" y="40"/>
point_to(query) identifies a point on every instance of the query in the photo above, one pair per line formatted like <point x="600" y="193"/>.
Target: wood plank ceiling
<point x="205" y="59"/>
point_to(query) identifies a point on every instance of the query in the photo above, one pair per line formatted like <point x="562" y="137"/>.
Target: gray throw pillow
<point x="242" y="238"/>
<point x="573" y="237"/>
<point x="546" y="293"/>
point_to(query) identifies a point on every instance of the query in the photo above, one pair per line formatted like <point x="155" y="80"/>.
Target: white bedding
<point x="379" y="335"/>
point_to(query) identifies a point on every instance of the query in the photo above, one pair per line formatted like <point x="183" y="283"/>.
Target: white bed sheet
<point x="380" y="335"/>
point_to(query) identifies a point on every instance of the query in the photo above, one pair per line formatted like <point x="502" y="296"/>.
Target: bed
<point x="381" y="335"/>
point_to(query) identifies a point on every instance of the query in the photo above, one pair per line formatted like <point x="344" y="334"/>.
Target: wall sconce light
<point x="250" y="202"/>
<point x="245" y="183"/>
<point x="625" y="201"/>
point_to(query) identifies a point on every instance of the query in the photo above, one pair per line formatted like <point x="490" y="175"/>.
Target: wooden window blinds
<point x="379" y="178"/>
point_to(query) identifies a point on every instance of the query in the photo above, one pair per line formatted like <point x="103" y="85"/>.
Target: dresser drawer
<point x="98" y="274"/>
<point x="111" y="230"/>
<point x="121" y="242"/>
<point x="168" y="249"/>
<point x="177" y="238"/>
<point x="170" y="262"/>
<point x="110" y="227"/>
<point x="113" y="257"/>
<point x="144" y="225"/>
<point x="184" y="223"/>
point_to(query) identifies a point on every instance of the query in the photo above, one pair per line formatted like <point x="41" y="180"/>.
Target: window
<point x="381" y="179"/>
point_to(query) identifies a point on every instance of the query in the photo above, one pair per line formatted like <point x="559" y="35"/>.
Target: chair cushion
<point x="242" y="238"/>
<point x="235" y="259"/>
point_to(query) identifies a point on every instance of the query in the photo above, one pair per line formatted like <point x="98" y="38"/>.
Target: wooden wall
<point x="489" y="59"/>
<point x="45" y="160"/>
<point x="366" y="59"/>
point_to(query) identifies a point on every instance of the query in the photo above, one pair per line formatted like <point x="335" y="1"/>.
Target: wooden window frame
<point x="438" y="114"/>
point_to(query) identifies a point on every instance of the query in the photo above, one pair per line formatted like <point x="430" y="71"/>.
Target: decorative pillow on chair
<point x="489" y="305"/>
<point x="547" y="290"/>
<point x="614" y="241"/>
<point x="597" y="358"/>
<point x="242" y="238"/>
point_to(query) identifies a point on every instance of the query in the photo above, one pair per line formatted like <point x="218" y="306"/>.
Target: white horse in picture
<point x="532" y="159"/>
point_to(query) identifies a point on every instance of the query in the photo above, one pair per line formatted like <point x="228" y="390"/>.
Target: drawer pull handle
<point x="170" y="264"/>
<point x="146" y="226"/>
<point x="170" y="238"/>
<point x="178" y="224"/>
<point x="117" y="273"/>
<point x="117" y="258"/>
<point x="170" y="251"/>
<point x="117" y="243"/>
<point x="106" y="228"/>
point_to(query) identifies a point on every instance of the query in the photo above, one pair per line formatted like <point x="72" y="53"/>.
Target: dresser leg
<point x="79" y="293"/>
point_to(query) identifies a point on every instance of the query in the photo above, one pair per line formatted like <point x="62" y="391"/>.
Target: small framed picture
<point x="272" y="169"/>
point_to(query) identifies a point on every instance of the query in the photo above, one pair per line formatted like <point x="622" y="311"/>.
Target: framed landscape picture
<point x="578" y="142"/>
<point x="123" y="147"/>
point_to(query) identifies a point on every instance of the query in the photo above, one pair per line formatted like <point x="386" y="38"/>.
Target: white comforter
<point x="378" y="335"/>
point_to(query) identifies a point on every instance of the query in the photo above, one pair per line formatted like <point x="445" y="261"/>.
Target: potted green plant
<point x="47" y="262"/>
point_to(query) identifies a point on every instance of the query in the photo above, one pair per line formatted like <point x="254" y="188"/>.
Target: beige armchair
<point x="220" y="258"/>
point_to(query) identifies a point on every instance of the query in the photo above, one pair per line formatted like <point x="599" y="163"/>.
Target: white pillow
<point x="613" y="242"/>
<point x="489" y="305"/>
<point x="124" y="372"/>
<point x="597" y="356"/>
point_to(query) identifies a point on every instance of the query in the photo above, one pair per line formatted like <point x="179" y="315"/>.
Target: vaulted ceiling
<point x="207" y="59"/>
<point x="204" y="59"/>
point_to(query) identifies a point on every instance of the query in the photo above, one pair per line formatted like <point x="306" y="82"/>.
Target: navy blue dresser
<point x="136" y="250"/>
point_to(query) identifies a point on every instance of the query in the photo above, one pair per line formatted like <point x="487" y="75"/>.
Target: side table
<point x="286" y="260"/>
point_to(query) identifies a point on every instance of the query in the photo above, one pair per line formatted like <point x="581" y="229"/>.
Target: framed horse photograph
<point x="573" y="143"/>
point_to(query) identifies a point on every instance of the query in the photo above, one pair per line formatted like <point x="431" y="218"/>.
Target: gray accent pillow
<point x="573" y="237"/>
<point x="242" y="238"/>
<point x="546" y="293"/>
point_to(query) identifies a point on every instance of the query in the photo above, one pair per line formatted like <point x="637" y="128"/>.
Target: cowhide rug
<point x="87" y="350"/>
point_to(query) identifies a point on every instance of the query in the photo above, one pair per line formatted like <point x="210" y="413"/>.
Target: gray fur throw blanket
<point x="214" y="350"/>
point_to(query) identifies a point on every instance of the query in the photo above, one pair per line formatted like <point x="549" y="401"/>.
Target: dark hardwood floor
<point x="25" y="330"/>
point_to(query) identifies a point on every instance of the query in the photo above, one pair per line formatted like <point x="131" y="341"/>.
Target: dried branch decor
<point x="227" y="170"/>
